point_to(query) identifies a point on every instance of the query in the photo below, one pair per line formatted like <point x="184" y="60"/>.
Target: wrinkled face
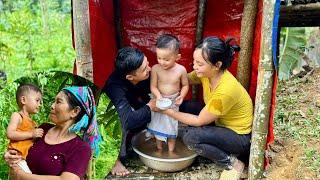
<point x="166" y="58"/>
<point x="33" y="101"/>
<point x="60" y="109"/>
<point x="200" y="65"/>
<point x="143" y="72"/>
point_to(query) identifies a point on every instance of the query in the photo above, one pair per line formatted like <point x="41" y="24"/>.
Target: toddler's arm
<point x="154" y="83"/>
<point x="13" y="134"/>
<point x="184" y="86"/>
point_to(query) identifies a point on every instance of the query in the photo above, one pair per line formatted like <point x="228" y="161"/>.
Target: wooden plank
<point x="304" y="15"/>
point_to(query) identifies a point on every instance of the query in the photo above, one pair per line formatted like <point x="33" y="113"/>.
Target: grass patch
<point x="298" y="118"/>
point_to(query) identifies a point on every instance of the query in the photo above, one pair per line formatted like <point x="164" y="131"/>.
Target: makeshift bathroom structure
<point x="101" y="27"/>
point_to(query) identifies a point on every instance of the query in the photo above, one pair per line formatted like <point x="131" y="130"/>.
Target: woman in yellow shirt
<point x="222" y="129"/>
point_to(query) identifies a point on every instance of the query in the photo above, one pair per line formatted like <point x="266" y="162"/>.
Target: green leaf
<point x="291" y="51"/>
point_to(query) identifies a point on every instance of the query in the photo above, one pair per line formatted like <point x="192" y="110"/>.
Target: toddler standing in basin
<point x="168" y="80"/>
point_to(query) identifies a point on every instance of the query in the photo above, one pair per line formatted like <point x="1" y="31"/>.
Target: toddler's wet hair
<point x="168" y="41"/>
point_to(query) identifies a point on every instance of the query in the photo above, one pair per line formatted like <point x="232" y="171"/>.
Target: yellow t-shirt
<point x="229" y="101"/>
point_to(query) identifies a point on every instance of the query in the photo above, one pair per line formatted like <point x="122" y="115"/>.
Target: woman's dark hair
<point x="128" y="60"/>
<point x="73" y="103"/>
<point x="215" y="49"/>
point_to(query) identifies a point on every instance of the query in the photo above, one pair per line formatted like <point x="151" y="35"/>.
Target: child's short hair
<point x="168" y="41"/>
<point x="23" y="89"/>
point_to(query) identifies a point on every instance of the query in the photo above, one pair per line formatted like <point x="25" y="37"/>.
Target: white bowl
<point x="163" y="103"/>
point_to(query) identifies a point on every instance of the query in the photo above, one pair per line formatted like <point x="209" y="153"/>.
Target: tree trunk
<point x="248" y="24"/>
<point x="84" y="62"/>
<point x="263" y="95"/>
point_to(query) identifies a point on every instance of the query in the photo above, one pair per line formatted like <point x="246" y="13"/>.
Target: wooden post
<point x="248" y="24"/>
<point x="200" y="20"/>
<point x="263" y="95"/>
<point x="117" y="22"/>
<point x="199" y="32"/>
<point x="81" y="24"/>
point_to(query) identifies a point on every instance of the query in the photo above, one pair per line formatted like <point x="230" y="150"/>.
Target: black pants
<point x="213" y="142"/>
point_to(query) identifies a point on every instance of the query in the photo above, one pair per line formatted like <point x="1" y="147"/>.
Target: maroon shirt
<point x="71" y="156"/>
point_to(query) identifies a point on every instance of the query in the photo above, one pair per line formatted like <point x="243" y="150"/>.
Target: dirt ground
<point x="287" y="154"/>
<point x="287" y="163"/>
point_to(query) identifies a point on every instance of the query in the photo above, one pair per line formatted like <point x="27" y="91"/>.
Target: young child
<point x="21" y="129"/>
<point x="168" y="80"/>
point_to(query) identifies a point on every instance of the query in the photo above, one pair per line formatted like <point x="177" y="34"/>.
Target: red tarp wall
<point x="103" y="39"/>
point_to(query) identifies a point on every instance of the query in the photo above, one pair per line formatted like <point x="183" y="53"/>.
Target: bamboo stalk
<point x="199" y="33"/>
<point x="81" y="24"/>
<point x="263" y="95"/>
<point x="248" y="23"/>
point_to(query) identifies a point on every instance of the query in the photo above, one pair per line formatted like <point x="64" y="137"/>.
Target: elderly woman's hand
<point x="12" y="157"/>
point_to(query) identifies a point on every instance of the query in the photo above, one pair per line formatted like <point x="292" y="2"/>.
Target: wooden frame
<point x="84" y="66"/>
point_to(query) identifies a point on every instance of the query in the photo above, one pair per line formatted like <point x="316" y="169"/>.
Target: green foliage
<point x="111" y="137"/>
<point x="7" y="106"/>
<point x="291" y="50"/>
<point x="51" y="83"/>
<point x="33" y="40"/>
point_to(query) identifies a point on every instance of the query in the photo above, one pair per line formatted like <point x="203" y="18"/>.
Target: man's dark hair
<point x="168" y="41"/>
<point x="23" y="89"/>
<point x="128" y="60"/>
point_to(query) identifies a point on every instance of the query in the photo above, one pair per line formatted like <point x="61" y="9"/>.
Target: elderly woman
<point x="61" y="153"/>
<point x="223" y="126"/>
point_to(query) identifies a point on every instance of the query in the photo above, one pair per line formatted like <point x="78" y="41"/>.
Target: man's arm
<point x="130" y="118"/>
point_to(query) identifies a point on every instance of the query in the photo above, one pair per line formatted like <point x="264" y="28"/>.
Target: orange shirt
<point x="23" y="146"/>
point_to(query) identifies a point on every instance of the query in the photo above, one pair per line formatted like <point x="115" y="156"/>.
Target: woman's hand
<point x="167" y="111"/>
<point x="12" y="157"/>
<point x="179" y="100"/>
<point x="15" y="172"/>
